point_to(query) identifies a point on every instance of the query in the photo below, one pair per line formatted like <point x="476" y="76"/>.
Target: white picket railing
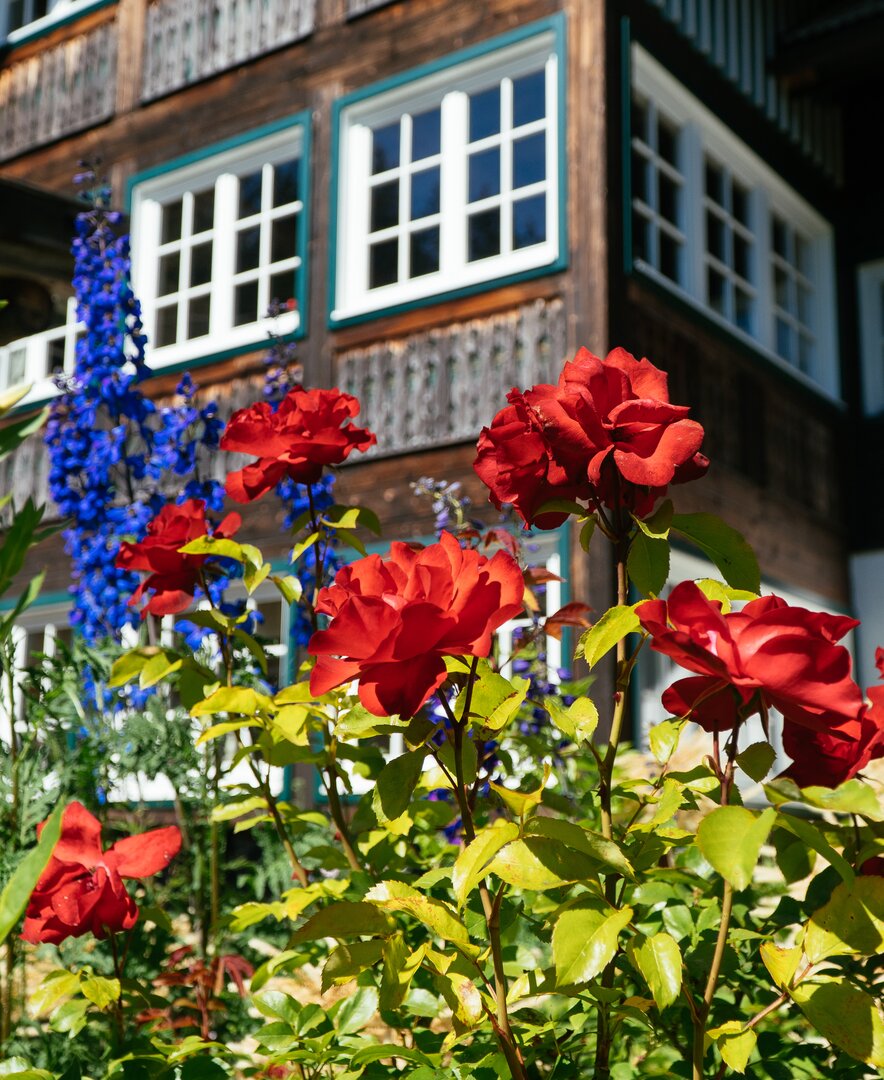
<point x="35" y="359"/>
<point x="188" y="40"/>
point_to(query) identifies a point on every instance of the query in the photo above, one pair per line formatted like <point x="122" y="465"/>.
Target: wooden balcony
<point x="442" y="386"/>
<point x="189" y="40"/>
<point x="62" y="89"/>
<point x="359" y="7"/>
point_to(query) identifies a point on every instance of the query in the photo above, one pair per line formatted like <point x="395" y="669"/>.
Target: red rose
<point x="605" y="431"/>
<point x="393" y="620"/>
<point x="81" y="891"/>
<point x="767" y="655"/>
<point x="298" y="440"/>
<point x="173" y="576"/>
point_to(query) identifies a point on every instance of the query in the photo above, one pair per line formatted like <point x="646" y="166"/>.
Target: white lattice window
<point x="715" y="224"/>
<point x="658" y="190"/>
<point x="449" y="180"/>
<point x="871" y="310"/>
<point x="214" y="242"/>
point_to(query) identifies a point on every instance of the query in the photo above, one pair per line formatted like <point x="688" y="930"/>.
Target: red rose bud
<point x="81" y="891"/>
<point x="606" y="431"/>
<point x="393" y="620"/>
<point x="769" y="655"/>
<point x="172" y="576"/>
<point x="308" y="431"/>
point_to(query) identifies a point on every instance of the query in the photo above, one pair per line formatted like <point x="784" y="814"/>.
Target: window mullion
<point x="693" y="213"/>
<point x="453" y="195"/>
<point x="223" y="254"/>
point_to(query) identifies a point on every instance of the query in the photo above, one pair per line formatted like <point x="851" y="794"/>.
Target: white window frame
<point x="56" y="11"/>
<point x="24" y="362"/>
<point x="448" y="89"/>
<point x="220" y="170"/>
<point x="703" y="135"/>
<point x="870" y="286"/>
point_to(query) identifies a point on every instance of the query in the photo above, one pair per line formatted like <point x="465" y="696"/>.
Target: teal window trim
<point x="563" y="548"/>
<point x="555" y="24"/>
<point x="43" y="600"/>
<point x="303" y="122"/>
<point x="25" y="36"/>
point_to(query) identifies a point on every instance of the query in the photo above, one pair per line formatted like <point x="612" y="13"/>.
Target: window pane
<point x="805" y="352"/>
<point x="171" y="224"/>
<point x="667" y="142"/>
<point x="203" y="210"/>
<point x="385" y="205"/>
<point x="383" y="263"/>
<point x="529" y="221"/>
<point x="198" y="316"/>
<point x="484" y="113"/>
<point x="639" y="119"/>
<point x="529" y="98"/>
<point x="715" y="183"/>
<point x="715" y="235"/>
<point x="245" y="305"/>
<point x="425" y="135"/>
<point x="424" y="193"/>
<point x="529" y="160"/>
<point x="803" y="255"/>
<point x="484" y="174"/>
<point x="424" y="252"/>
<point x="779" y="237"/>
<point x="669" y="198"/>
<point x="784" y="339"/>
<point x="201" y="264"/>
<point x="805" y="304"/>
<point x="248" y="248"/>
<point x="16" y="14"/>
<point x="740" y="203"/>
<point x="483" y="235"/>
<point x="742" y="257"/>
<point x="284" y="238"/>
<point x="716" y="286"/>
<point x="670" y="256"/>
<point x="282" y="286"/>
<point x="249" y="194"/>
<point x="54" y="357"/>
<point x="385" y="148"/>
<point x="168" y="273"/>
<point x="781" y="288"/>
<point x="640" y="176"/>
<point x="167" y="326"/>
<point x="286" y="177"/>
<point x="641" y="228"/>
<point x="744" y="310"/>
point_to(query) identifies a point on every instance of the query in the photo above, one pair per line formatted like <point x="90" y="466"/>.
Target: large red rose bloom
<point x="767" y="655"/>
<point x="172" y="576"/>
<point x="393" y="620"/>
<point x="310" y="430"/>
<point x="606" y="431"/>
<point x="81" y="891"/>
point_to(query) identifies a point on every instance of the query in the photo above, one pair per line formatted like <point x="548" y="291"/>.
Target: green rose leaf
<point x="851" y="922"/>
<point x="234" y="699"/>
<point x="495" y="700"/>
<point x="100" y="991"/>
<point x="734" y="1044"/>
<point x="17" y="891"/>
<point x="848" y="1017"/>
<point x="648" y="563"/>
<point x="434" y="914"/>
<point x="471" y="863"/>
<point x="756" y="760"/>
<point x="663" y="738"/>
<point x="584" y="941"/>
<point x="539" y="863"/>
<point x="724" y="546"/>
<point x="395" y="785"/>
<point x="731" y="838"/>
<point x="343" y="920"/>
<point x="400" y="966"/>
<point x="658" y="958"/>
<point x="780" y="963"/>
<point x="590" y="843"/>
<point x="354" y="1012"/>
<point x="347" y="961"/>
<point x="578" y="721"/>
<point x="612" y="627"/>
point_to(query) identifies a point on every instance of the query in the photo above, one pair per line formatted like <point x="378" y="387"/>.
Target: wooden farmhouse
<point x="456" y="195"/>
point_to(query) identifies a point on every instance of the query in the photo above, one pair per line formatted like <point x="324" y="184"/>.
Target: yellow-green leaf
<point x="347" y="961"/>
<point x="538" y="863"/>
<point x="578" y="721"/>
<point x="100" y="991"/>
<point x="731" y="838"/>
<point x="522" y="803"/>
<point x="612" y="627"/>
<point x="234" y="699"/>
<point x="663" y="738"/>
<point x="658" y="958"/>
<point x="852" y="921"/>
<point x="845" y="1015"/>
<point x="584" y="941"/>
<point x="470" y="865"/>
<point x="780" y="963"/>
<point x="434" y="914"/>
<point x="343" y="920"/>
<point x="734" y="1044"/>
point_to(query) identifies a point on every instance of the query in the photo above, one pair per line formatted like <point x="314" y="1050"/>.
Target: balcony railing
<point x="188" y="40"/>
<point x="34" y="360"/>
<point x="64" y="88"/>
<point x="442" y="386"/>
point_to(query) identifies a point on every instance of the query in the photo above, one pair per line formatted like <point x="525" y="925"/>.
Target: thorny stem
<point x="604" y="1031"/>
<point x="491" y="908"/>
<point x="118" y="1004"/>
<point x="332" y="775"/>
<point x="7" y="994"/>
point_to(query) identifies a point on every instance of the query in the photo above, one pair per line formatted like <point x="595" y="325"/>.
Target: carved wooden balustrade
<point x="443" y="385"/>
<point x="188" y="40"/>
<point x="65" y="88"/>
